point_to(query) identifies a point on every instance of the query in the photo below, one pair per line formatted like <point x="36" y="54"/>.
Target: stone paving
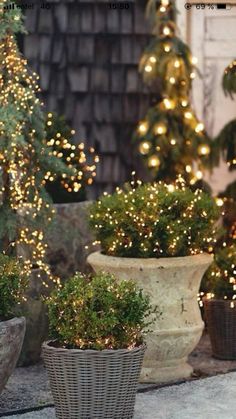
<point x="28" y="388"/>
<point x="210" y="398"/>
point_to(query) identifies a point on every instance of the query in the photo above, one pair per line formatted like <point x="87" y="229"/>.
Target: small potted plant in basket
<point x="12" y="329"/>
<point x="220" y="308"/>
<point x="160" y="236"/>
<point x="95" y="361"/>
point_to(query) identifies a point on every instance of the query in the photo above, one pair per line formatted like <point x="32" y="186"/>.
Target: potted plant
<point x="95" y="361"/>
<point x="220" y="308"/>
<point x="12" y="328"/>
<point x="157" y="235"/>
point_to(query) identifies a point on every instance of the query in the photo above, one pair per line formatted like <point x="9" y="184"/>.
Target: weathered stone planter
<point x="11" y="338"/>
<point x="68" y="239"/>
<point x="35" y="312"/>
<point x="172" y="284"/>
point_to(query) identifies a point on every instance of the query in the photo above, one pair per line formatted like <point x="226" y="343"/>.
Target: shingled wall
<point x="87" y="57"/>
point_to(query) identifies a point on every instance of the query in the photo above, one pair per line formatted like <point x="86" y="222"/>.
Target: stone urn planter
<point x="11" y="339"/>
<point x="93" y="384"/>
<point x="69" y="239"/>
<point x="172" y="284"/>
<point x="35" y="312"/>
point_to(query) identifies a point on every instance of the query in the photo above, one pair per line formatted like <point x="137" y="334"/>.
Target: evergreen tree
<point x="26" y="158"/>
<point x="225" y="147"/>
<point x="171" y="138"/>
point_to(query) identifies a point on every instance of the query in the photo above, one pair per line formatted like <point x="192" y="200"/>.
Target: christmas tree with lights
<point x="27" y="158"/>
<point x="171" y="138"/>
<point x="225" y="146"/>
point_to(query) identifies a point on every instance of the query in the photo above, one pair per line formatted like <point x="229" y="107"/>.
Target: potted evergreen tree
<point x="28" y="161"/>
<point x="12" y="328"/>
<point x="95" y="361"/>
<point x="220" y="308"/>
<point x="158" y="235"/>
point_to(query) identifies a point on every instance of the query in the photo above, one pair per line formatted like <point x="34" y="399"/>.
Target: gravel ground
<point x="202" y="399"/>
<point x="28" y="387"/>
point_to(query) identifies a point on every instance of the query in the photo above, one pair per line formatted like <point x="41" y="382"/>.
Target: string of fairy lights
<point x="75" y="158"/>
<point x="172" y="126"/>
<point x="27" y="160"/>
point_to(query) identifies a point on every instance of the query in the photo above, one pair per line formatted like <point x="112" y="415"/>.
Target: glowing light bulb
<point x="219" y="202"/>
<point x="169" y="103"/>
<point x="194" y="60"/>
<point x="177" y="64"/>
<point x="154" y="161"/>
<point x="162" y="9"/>
<point x="148" y="68"/>
<point x="167" y="47"/>
<point x="184" y="103"/>
<point x="144" y="147"/>
<point x="199" y="127"/>
<point x="143" y="127"/>
<point x="170" y="188"/>
<point x="153" y="59"/>
<point x="166" y="31"/>
<point x="199" y="175"/>
<point x="172" y="80"/>
<point x="173" y="141"/>
<point x="188" y="168"/>
<point x="160" y="129"/>
<point x="203" y="150"/>
<point x="165" y="3"/>
<point x="192" y="76"/>
<point x="188" y="115"/>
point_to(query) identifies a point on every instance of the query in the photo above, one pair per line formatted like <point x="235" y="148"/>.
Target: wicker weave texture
<point x="221" y="323"/>
<point x="89" y="384"/>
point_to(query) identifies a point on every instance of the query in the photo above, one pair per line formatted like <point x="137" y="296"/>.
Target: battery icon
<point x="223" y="6"/>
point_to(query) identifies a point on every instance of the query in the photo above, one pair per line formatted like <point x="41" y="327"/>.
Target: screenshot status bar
<point x="210" y="6"/>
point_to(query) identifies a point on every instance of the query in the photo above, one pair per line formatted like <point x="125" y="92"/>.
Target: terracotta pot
<point x="93" y="384"/>
<point x="11" y="338"/>
<point x="221" y="324"/>
<point x="172" y="284"/>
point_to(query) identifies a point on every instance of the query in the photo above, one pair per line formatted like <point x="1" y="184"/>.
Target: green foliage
<point x="27" y="161"/>
<point x="13" y="283"/>
<point x="172" y="158"/>
<point x="167" y="63"/>
<point x="151" y="221"/>
<point x="100" y="313"/>
<point x="221" y="276"/>
<point x="225" y="144"/>
<point x="229" y="79"/>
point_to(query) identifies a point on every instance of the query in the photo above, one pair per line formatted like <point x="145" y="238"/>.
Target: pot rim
<point x="192" y="260"/>
<point x="12" y="321"/>
<point x="219" y="300"/>
<point x="46" y="345"/>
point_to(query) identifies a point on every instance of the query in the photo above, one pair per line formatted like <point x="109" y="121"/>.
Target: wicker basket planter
<point x="11" y="338"/>
<point x="93" y="384"/>
<point x="172" y="284"/>
<point x="221" y="324"/>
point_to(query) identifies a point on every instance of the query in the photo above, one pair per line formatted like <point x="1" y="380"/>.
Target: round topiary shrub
<point x="155" y="220"/>
<point x="98" y="313"/>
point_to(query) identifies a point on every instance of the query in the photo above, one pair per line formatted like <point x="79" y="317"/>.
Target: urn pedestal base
<point x="160" y="373"/>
